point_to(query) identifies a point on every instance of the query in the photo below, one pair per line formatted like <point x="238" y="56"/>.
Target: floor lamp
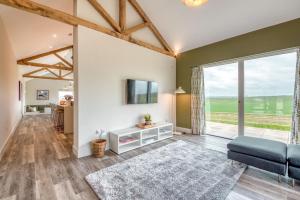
<point x="179" y="90"/>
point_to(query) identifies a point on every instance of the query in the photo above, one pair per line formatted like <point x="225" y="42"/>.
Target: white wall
<point x="10" y="106"/>
<point x="103" y="64"/>
<point x="54" y="86"/>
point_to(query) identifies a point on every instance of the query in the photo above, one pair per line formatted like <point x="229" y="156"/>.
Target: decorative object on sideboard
<point x="144" y="126"/>
<point x="179" y="90"/>
<point x="99" y="144"/>
<point x="148" y="120"/>
<point x="42" y="95"/>
<point x="68" y="97"/>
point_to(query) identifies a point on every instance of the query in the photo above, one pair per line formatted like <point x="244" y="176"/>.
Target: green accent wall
<point x="281" y="36"/>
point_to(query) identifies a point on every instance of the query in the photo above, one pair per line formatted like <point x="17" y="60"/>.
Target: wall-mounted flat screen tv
<point x="141" y="92"/>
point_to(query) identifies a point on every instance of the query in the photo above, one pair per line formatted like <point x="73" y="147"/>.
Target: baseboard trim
<point x="75" y="150"/>
<point x="184" y="130"/>
<point x="9" y="137"/>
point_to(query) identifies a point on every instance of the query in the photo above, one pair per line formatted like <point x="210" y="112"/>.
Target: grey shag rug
<point x="179" y="170"/>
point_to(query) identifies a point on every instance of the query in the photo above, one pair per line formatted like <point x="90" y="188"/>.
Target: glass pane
<point x="153" y="92"/>
<point x="221" y="100"/>
<point x="269" y="87"/>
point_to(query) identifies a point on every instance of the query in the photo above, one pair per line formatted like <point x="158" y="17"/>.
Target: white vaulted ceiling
<point x="31" y="34"/>
<point x="187" y="28"/>
<point x="184" y="28"/>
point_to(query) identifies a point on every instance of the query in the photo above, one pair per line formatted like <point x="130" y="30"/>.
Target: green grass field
<point x="273" y="112"/>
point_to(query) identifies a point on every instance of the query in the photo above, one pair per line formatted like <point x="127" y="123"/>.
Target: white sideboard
<point x="132" y="138"/>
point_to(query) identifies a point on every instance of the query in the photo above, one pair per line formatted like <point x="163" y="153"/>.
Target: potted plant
<point x="99" y="144"/>
<point x="148" y="120"/>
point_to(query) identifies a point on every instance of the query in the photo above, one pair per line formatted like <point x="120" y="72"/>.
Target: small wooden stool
<point x="59" y="119"/>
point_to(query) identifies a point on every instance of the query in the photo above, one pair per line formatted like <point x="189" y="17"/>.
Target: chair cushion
<point x="261" y="148"/>
<point x="293" y="155"/>
<point x="294" y="172"/>
<point x="268" y="165"/>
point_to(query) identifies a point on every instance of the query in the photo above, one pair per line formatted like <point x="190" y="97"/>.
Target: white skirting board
<point x="75" y="151"/>
<point x="9" y="137"/>
<point x="184" y="130"/>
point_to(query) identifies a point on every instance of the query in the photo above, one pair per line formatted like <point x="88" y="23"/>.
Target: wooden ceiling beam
<point x="45" y="77"/>
<point x="135" y="28"/>
<point x="57" y="77"/>
<point x="50" y="71"/>
<point x="105" y="14"/>
<point x="61" y="65"/>
<point x="45" y="54"/>
<point x="144" y="16"/>
<point x="63" y="60"/>
<point x="122" y="15"/>
<point x="67" y="74"/>
<point x="35" y="71"/>
<point x="150" y="46"/>
<point x="33" y="64"/>
<point x="45" y="11"/>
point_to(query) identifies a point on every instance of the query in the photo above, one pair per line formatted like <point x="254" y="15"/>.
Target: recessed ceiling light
<point x="50" y="47"/>
<point x="194" y="3"/>
<point x="54" y="35"/>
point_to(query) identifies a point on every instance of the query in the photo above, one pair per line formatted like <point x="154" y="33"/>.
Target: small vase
<point x="148" y="122"/>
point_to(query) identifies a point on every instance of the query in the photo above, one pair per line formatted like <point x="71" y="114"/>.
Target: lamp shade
<point x="179" y="90"/>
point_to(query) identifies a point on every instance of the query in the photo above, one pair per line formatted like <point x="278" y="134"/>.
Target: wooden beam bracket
<point x="57" y="77"/>
<point x="47" y="67"/>
<point x="105" y="14"/>
<point x="50" y="71"/>
<point x="33" y="64"/>
<point x="122" y="15"/>
<point x="44" y="54"/>
<point x="67" y="74"/>
<point x="45" y="77"/>
<point x="35" y="71"/>
<point x="63" y="60"/>
<point x="144" y="16"/>
<point x="136" y="28"/>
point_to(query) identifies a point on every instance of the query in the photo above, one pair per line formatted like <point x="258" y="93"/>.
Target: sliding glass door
<point x="269" y="88"/>
<point x="221" y="100"/>
<point x="251" y="97"/>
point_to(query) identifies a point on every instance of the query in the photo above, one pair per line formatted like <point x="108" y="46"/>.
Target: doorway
<point x="251" y="96"/>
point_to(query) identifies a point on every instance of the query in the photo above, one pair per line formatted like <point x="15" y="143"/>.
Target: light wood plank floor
<point x="38" y="164"/>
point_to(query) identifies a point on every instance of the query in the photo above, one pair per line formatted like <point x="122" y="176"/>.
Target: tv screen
<point x="152" y="92"/>
<point x="141" y="92"/>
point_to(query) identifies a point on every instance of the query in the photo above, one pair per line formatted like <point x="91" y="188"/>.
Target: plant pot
<point x="98" y="147"/>
<point x="148" y="122"/>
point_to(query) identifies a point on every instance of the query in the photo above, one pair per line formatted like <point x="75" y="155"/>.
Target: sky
<point x="268" y="76"/>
